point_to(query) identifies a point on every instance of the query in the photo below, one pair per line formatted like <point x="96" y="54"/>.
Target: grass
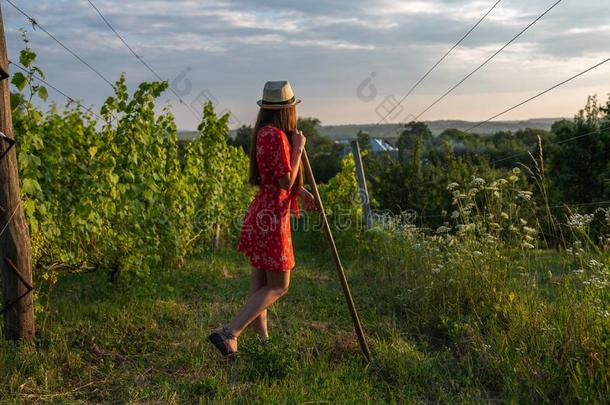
<point x="475" y="332"/>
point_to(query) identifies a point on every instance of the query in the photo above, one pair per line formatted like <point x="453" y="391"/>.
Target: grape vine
<point x="122" y="196"/>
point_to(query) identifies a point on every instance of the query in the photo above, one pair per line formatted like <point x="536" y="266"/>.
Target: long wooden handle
<point x="333" y="249"/>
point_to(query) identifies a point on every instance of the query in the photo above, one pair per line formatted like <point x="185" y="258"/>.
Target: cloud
<point x="231" y="47"/>
<point x="589" y="30"/>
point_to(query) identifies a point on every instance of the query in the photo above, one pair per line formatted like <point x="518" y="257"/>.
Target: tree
<point x="243" y="138"/>
<point x="309" y="126"/>
<point x="580" y="164"/>
<point x="364" y="140"/>
<point x="323" y="152"/>
<point x="408" y="136"/>
<point x="529" y="136"/>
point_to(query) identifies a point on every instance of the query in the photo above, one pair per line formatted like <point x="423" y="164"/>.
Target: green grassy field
<point x="144" y="340"/>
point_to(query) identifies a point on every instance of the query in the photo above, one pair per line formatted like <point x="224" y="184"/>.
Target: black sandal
<point x="218" y="339"/>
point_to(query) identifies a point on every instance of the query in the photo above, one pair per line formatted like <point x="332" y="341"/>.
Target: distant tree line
<point x="570" y="161"/>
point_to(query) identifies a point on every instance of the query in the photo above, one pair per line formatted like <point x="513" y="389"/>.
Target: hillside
<point x="391" y="130"/>
<point x="348" y="131"/>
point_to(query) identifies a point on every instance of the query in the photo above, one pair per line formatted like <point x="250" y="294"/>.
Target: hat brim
<point x="277" y="106"/>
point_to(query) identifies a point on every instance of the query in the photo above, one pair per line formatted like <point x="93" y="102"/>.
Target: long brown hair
<point x="284" y="119"/>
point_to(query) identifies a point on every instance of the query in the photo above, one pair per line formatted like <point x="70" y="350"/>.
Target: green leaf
<point x="16" y="100"/>
<point x="42" y="93"/>
<point x="37" y="70"/>
<point x="19" y="80"/>
<point x="29" y="207"/>
<point x="30" y="186"/>
<point x="27" y="57"/>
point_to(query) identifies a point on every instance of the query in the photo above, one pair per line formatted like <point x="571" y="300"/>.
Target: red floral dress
<point x="265" y="233"/>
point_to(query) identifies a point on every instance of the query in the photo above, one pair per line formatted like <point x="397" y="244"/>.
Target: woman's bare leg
<point x="276" y="287"/>
<point x="258" y="281"/>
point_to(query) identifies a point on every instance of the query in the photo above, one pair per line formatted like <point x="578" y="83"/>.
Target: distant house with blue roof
<point x="376" y="145"/>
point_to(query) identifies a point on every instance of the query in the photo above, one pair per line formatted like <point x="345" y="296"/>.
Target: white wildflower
<point x="579" y="220"/>
<point x="452" y="186"/>
<point x="436" y="268"/>
<point x="530" y="230"/>
<point x="442" y="229"/>
<point x="604" y="313"/>
<point x="477" y="182"/>
<point x="490" y="239"/>
<point x="464" y="227"/>
<point x="595" y="265"/>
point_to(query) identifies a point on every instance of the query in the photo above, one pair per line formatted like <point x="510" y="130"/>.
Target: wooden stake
<point x="15" y="248"/>
<point x="364" y="192"/>
<point x="336" y="259"/>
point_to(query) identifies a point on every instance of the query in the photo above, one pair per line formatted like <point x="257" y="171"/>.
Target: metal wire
<point x="597" y="131"/>
<point x="84" y="62"/>
<point x="539" y="94"/>
<point x="439" y="61"/>
<point x="70" y="99"/>
<point x="553" y="207"/>
<point x="10" y="142"/>
<point x="438" y="100"/>
<point x="141" y="60"/>
<point x="10" y="218"/>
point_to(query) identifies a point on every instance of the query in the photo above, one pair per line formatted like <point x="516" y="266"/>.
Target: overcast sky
<point x="226" y="50"/>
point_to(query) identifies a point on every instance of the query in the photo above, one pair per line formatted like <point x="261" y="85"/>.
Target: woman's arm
<point x="309" y="202"/>
<point x="298" y="145"/>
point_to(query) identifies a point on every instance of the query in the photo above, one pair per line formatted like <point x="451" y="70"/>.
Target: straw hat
<point x="277" y="95"/>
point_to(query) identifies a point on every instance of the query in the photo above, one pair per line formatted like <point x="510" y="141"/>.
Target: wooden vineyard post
<point x="364" y="192"/>
<point x="340" y="272"/>
<point x="15" y="248"/>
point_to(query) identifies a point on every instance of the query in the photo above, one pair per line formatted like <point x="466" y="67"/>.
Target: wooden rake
<point x="333" y="249"/>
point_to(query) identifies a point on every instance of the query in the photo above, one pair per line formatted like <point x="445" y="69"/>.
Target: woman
<point x="275" y="166"/>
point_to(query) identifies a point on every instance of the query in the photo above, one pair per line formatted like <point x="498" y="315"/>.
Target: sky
<point x="349" y="61"/>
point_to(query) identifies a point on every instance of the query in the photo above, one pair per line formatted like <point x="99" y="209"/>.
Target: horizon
<point x="436" y="127"/>
<point x="345" y="69"/>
